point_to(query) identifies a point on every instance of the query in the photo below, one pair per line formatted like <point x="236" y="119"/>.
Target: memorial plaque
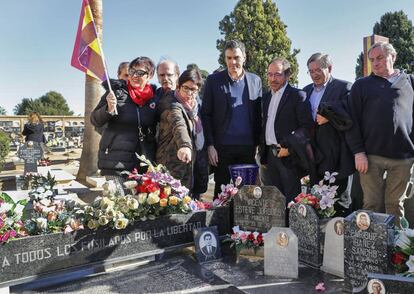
<point x="333" y="255"/>
<point x="37" y="255"/>
<point x="207" y="244"/>
<point x="309" y="229"/>
<point x="281" y="253"/>
<point x="387" y="284"/>
<point x="368" y="240"/>
<point x="259" y="208"/>
<point x="30" y="152"/>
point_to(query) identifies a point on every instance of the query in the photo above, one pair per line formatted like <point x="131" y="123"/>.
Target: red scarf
<point x="140" y="96"/>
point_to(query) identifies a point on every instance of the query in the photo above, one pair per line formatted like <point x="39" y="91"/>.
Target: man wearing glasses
<point x="167" y="73"/>
<point x="328" y="97"/>
<point x="231" y="114"/>
<point x="285" y="112"/>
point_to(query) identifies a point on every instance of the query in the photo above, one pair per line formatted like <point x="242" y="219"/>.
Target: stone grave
<point x="281" y="253"/>
<point x="368" y="239"/>
<point x="333" y="255"/>
<point x="207" y="244"/>
<point x="259" y="208"/>
<point x="30" y="152"/>
<point x="309" y="229"/>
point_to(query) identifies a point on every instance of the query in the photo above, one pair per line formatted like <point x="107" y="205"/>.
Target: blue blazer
<point x="216" y="110"/>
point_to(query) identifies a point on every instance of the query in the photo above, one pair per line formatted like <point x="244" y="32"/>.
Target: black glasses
<point x="138" y="72"/>
<point x="189" y="90"/>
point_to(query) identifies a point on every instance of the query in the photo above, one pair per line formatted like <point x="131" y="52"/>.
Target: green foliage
<point x="399" y="29"/>
<point x="257" y="24"/>
<point x="52" y="103"/>
<point x="3" y="111"/>
<point x="4" y="148"/>
<point x="359" y="68"/>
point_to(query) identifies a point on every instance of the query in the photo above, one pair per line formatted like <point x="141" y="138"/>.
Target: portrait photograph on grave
<point x="375" y="286"/>
<point x="339" y="227"/>
<point x="282" y="239"/>
<point x="363" y="221"/>
<point x="207" y="244"/>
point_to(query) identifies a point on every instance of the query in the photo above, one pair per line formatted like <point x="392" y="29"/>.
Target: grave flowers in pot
<point x="403" y="256"/>
<point x="246" y="242"/>
<point x="308" y="217"/>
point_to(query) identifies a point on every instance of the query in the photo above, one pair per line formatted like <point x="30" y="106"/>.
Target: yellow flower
<point x="167" y="190"/>
<point x="153" y="199"/>
<point x="103" y="220"/>
<point x="186" y="199"/>
<point x="173" y="200"/>
<point x="121" y="223"/>
<point x="142" y="197"/>
<point x="92" y="224"/>
<point x="132" y="203"/>
<point x="163" y="202"/>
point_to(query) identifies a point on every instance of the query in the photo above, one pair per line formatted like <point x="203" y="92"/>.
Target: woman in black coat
<point x="33" y="130"/>
<point x="128" y="117"/>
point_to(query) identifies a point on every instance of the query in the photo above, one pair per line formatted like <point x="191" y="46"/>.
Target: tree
<point x="399" y="29"/>
<point x="2" y="111"/>
<point x="257" y="24"/>
<point x="52" y="103"/>
<point x="359" y="69"/>
<point x="93" y="91"/>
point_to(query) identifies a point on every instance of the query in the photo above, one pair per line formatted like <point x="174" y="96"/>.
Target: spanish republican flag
<point x="87" y="54"/>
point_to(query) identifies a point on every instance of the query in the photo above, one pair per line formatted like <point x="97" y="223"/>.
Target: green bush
<point x="4" y="148"/>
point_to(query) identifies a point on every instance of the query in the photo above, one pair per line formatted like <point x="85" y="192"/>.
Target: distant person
<point x="181" y="130"/>
<point x="33" y="130"/>
<point x="123" y="71"/>
<point x="132" y="129"/>
<point x="382" y="135"/>
<point x="167" y="73"/>
<point x="231" y="114"/>
<point x="328" y="97"/>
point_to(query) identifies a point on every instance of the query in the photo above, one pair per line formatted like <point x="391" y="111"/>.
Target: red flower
<point x="163" y="195"/>
<point x="251" y="237"/>
<point x="398" y="258"/>
<point x="260" y="239"/>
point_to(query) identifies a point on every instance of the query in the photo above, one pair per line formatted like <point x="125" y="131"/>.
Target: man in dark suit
<point x="231" y="114"/>
<point x="286" y="113"/>
<point x="328" y="98"/>
<point x="208" y="250"/>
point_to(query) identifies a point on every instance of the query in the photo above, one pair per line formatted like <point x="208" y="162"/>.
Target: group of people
<point x="330" y="126"/>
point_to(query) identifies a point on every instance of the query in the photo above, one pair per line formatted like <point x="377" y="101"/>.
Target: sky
<point x="37" y="38"/>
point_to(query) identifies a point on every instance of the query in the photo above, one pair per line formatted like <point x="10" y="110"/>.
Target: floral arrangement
<point x="41" y="186"/>
<point x="152" y="194"/>
<point x="44" y="162"/>
<point x="245" y="240"/>
<point x="322" y="196"/>
<point x="11" y="225"/>
<point x="403" y="255"/>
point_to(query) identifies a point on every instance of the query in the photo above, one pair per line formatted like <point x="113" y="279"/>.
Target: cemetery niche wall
<point x="26" y="258"/>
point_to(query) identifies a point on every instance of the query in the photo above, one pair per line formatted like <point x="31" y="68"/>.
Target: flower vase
<point x="250" y="252"/>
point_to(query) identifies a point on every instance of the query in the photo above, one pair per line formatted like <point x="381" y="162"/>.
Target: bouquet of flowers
<point x="322" y="196"/>
<point x="403" y="256"/>
<point x="11" y="225"/>
<point x="152" y="194"/>
<point x="227" y="193"/>
<point x="41" y="186"/>
<point x="245" y="240"/>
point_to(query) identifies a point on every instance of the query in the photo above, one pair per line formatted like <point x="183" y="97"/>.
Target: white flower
<point x="103" y="220"/>
<point x="110" y="213"/>
<point x="402" y="240"/>
<point x="40" y="190"/>
<point x="121" y="223"/>
<point x="236" y="229"/>
<point x="409" y="233"/>
<point x="255" y="234"/>
<point x="48" y="193"/>
<point x="153" y="199"/>
<point x="92" y="224"/>
<point x="109" y="187"/>
<point x="410" y="264"/>
<point x="97" y="202"/>
<point x="132" y="203"/>
<point x="130" y="184"/>
<point x="142" y="197"/>
<point x="41" y="223"/>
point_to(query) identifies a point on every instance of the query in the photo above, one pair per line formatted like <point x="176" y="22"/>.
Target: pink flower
<point x="6" y="236"/>
<point x="255" y="242"/>
<point x="243" y="236"/>
<point x="68" y="229"/>
<point x="235" y="236"/>
<point x="320" y="287"/>
<point x="13" y="233"/>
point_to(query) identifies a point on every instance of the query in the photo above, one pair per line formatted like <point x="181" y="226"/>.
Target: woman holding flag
<point x="129" y="109"/>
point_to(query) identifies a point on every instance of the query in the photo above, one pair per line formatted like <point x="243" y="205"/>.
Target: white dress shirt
<point x="271" y="116"/>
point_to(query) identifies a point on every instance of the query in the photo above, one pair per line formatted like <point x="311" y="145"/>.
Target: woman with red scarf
<point x="181" y="131"/>
<point x="128" y="117"/>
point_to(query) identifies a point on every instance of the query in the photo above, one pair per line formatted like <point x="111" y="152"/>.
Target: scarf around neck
<point x="140" y="96"/>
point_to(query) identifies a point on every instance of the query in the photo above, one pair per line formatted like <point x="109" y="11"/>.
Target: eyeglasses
<point x="139" y="73"/>
<point x="274" y="75"/>
<point x="188" y="90"/>
<point x="318" y="71"/>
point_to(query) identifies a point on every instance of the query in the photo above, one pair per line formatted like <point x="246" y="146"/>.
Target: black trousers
<point x="228" y="155"/>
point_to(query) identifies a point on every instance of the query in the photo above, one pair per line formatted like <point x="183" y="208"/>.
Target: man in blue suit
<point x="286" y="119"/>
<point x="231" y="114"/>
<point x="328" y="98"/>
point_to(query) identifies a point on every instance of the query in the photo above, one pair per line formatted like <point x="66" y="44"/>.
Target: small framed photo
<point x="207" y="244"/>
<point x="363" y="221"/>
